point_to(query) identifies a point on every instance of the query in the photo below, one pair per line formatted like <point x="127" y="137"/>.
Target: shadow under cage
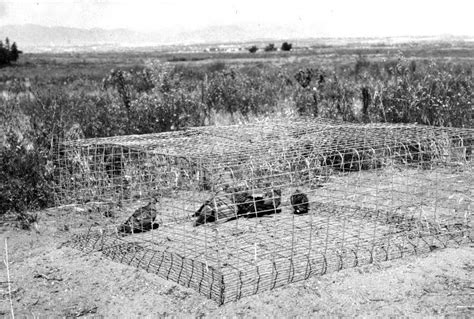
<point x="235" y="210"/>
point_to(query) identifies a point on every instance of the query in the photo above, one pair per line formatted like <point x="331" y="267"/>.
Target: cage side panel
<point x="187" y="272"/>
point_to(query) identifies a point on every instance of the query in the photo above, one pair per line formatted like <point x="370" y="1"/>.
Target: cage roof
<point x="265" y="140"/>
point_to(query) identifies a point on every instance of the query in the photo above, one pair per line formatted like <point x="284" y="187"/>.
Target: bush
<point x="215" y="67"/>
<point x="286" y="46"/>
<point x="233" y="91"/>
<point x="25" y="182"/>
<point x="270" y="47"/>
<point x="253" y="49"/>
<point x="305" y="76"/>
<point x="172" y="104"/>
<point x="432" y="94"/>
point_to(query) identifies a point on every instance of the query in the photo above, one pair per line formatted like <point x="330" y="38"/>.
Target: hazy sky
<point x="328" y="17"/>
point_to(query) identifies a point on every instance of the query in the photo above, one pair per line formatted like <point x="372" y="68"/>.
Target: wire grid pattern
<point x="376" y="192"/>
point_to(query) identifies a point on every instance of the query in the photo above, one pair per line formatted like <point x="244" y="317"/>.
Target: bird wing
<point x="292" y="199"/>
<point x="200" y="209"/>
<point x="142" y="216"/>
<point x="205" y="214"/>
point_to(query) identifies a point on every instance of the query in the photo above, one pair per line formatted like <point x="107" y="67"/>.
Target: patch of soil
<point x="50" y="279"/>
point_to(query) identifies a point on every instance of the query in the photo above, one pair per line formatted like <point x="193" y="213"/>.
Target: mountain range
<point x="37" y="38"/>
<point x="31" y="37"/>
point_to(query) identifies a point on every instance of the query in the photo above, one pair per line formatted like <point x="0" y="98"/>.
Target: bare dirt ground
<point x="49" y="279"/>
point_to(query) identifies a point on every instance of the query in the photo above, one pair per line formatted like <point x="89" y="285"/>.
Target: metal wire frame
<point x="376" y="192"/>
<point x="207" y="150"/>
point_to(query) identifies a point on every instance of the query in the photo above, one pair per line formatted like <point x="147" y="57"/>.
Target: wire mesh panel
<point x="236" y="210"/>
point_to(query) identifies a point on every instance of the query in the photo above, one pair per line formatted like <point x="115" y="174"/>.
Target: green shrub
<point x="285" y="46"/>
<point x="432" y="94"/>
<point x="232" y="91"/>
<point x="253" y="49"/>
<point x="25" y="182"/>
<point x="270" y="47"/>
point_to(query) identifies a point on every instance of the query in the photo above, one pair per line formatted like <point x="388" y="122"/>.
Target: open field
<point x="96" y="65"/>
<point x="76" y="95"/>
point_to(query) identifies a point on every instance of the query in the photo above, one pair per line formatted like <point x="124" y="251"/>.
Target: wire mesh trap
<point x="236" y="210"/>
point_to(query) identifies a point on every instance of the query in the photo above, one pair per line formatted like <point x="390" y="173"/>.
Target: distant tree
<point x="14" y="52"/>
<point x="270" y="47"/>
<point x="8" y="53"/>
<point x="286" y="46"/>
<point x="253" y="49"/>
<point x="3" y="54"/>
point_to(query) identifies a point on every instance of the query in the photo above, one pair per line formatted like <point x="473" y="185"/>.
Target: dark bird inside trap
<point x="257" y="205"/>
<point x="216" y="209"/>
<point x="300" y="203"/>
<point x="142" y="220"/>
